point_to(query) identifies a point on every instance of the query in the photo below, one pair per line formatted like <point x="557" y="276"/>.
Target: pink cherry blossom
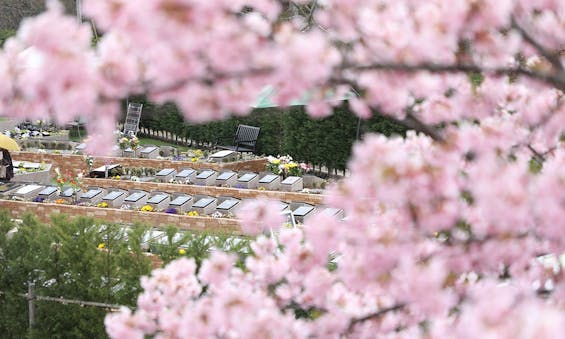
<point x="444" y="226"/>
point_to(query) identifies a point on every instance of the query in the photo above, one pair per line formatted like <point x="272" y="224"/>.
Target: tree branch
<point x="412" y="122"/>
<point x="373" y="315"/>
<point x="538" y="157"/>
<point x="310" y="17"/>
<point x="558" y="81"/>
<point x="551" y="57"/>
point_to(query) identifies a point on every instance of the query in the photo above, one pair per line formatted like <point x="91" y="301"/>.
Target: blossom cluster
<point x="444" y="227"/>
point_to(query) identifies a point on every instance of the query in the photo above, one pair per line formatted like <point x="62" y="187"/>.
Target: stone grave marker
<point x="228" y="206"/>
<point x="182" y="203"/>
<point x="226" y="179"/>
<point x="292" y="184"/>
<point x="166" y="175"/>
<point x="115" y="199"/>
<point x="27" y="192"/>
<point x="6" y="187"/>
<point x="223" y="156"/>
<point x="129" y="153"/>
<point x="149" y="152"/>
<point x="302" y="212"/>
<point x="68" y="194"/>
<point x="270" y="182"/>
<point x="48" y="193"/>
<point x="137" y="199"/>
<point x="159" y="201"/>
<point x="204" y="206"/>
<point x="248" y="180"/>
<point x="186" y="175"/>
<point x="206" y="178"/>
<point x="31" y="165"/>
<point x="93" y="195"/>
<point x="335" y="212"/>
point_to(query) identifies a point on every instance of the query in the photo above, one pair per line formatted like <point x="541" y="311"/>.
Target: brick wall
<point x="72" y="162"/>
<point x="44" y="210"/>
<point x="314" y="199"/>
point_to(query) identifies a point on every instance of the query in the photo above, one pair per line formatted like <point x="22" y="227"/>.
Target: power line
<point x="64" y="301"/>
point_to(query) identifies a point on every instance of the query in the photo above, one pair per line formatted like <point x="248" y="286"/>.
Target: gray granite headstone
<point x="248" y="180"/>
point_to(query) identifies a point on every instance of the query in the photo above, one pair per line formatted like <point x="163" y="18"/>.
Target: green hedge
<point x="326" y="142"/>
<point x="5" y="34"/>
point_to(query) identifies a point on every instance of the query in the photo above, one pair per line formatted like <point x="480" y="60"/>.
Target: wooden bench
<point x="244" y="140"/>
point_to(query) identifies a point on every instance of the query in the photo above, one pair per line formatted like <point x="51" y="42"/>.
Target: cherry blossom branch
<point x="310" y="17"/>
<point x="412" y="122"/>
<point x="208" y="80"/>
<point x="538" y="157"/>
<point x="551" y="57"/>
<point x="558" y="81"/>
<point x="373" y="315"/>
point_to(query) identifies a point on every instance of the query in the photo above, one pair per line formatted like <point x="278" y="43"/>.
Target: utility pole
<point x="79" y="10"/>
<point x="30" y="304"/>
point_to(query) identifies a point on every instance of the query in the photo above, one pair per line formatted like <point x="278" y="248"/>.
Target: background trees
<point x="82" y="260"/>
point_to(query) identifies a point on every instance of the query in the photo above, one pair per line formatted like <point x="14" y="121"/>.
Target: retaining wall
<point x="44" y="211"/>
<point x="73" y="162"/>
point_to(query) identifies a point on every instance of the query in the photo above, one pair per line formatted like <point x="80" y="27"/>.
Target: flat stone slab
<point x="223" y="156"/>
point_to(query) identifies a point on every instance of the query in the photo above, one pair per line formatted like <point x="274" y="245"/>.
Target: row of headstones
<point x="229" y="178"/>
<point x="159" y="201"/>
<point x="149" y="152"/>
<point x="152" y="152"/>
<point x="247" y="180"/>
